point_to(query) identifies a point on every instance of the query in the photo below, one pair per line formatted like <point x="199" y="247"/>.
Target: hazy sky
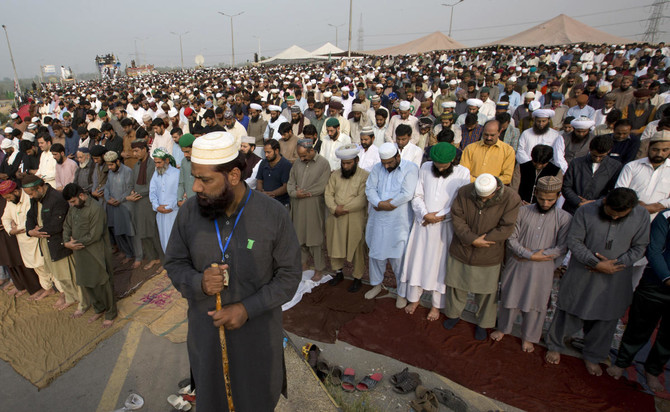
<point x="72" y="32"/>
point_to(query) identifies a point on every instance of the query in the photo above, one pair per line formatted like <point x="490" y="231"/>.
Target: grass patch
<point x="351" y="402"/>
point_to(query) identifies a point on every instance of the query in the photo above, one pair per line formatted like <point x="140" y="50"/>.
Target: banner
<point x="65" y="73"/>
<point x="49" y="70"/>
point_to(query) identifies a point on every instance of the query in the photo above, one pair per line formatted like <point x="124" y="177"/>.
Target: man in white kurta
<point x="369" y="153"/>
<point x="431" y="233"/>
<point x="334" y="140"/>
<point x="540" y="133"/>
<point x="389" y="189"/>
<point x="163" y="194"/>
<point x="14" y="221"/>
<point x="47" y="167"/>
<point x="403" y="118"/>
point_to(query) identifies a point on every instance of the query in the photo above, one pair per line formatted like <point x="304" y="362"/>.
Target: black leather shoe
<point x="339" y="277"/>
<point x="355" y="286"/>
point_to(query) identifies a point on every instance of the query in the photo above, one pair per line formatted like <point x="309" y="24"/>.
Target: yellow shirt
<point x="497" y="159"/>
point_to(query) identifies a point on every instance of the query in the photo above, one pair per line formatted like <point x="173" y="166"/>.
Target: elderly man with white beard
<point x="276" y="119"/>
<point x="540" y="133"/>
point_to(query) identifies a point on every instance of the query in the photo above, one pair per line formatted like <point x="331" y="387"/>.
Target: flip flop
<point x="348" y="380"/>
<point x="400" y="376"/>
<point x="409" y="384"/>
<point x="450" y="400"/>
<point x="369" y="382"/>
<point x="323" y="369"/>
<point x="179" y="403"/>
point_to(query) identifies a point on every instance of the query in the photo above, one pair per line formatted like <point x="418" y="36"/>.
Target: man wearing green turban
<point x="163" y="193"/>
<point x="431" y="233"/>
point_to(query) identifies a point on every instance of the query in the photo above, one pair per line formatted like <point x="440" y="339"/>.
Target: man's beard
<point x="346" y="174"/>
<point x="607" y="218"/>
<point x="540" y="130"/>
<point x="578" y="139"/>
<point x="254" y="119"/>
<point x="357" y="120"/>
<point x="442" y="173"/>
<point x="161" y="170"/>
<point x="273" y="118"/>
<point x="60" y="160"/>
<point x="295" y="121"/>
<point x="15" y="199"/>
<point x="542" y="211"/>
<point x="212" y="208"/>
<point x="392" y="168"/>
<point x="365" y="146"/>
<point x="657" y="159"/>
<point x="83" y="165"/>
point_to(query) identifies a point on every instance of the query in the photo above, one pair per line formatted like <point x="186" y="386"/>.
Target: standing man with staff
<point x="251" y="238"/>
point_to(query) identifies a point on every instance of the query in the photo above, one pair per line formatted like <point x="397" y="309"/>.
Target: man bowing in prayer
<point x="605" y="238"/>
<point x="252" y="239"/>
<point x="163" y="193"/>
<point x="389" y="189"/>
<point x="306" y="186"/>
<point x="538" y="242"/>
<point x="345" y="224"/>
<point x="432" y="231"/>
<point x="483" y="215"/>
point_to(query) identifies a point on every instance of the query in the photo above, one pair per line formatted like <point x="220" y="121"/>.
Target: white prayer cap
<point x="214" y="149"/>
<point x="313" y="81"/>
<point x="548" y="113"/>
<point x="274" y="108"/>
<point x="485" y="184"/>
<point x="255" y="106"/>
<point x="582" y="123"/>
<point x="6" y="144"/>
<point x="248" y="140"/>
<point x="404" y="105"/>
<point x="327" y="94"/>
<point x="512" y="79"/>
<point x="274" y="91"/>
<point x="660" y="136"/>
<point x="453" y="82"/>
<point x="8" y="130"/>
<point x="524" y="70"/>
<point x="529" y="95"/>
<point x="28" y="136"/>
<point x="35" y="119"/>
<point x="387" y="150"/>
<point x="446" y="105"/>
<point x="347" y="152"/>
<point x="173" y="112"/>
<point x="474" y="102"/>
<point x="32" y="126"/>
<point x="218" y="95"/>
<point x="14" y="115"/>
<point x="534" y="105"/>
<point x="428" y="95"/>
<point x="611" y="73"/>
<point x="345" y="88"/>
<point x="381" y="86"/>
<point x="518" y="68"/>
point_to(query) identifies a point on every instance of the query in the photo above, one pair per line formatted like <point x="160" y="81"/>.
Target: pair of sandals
<point x="428" y="400"/>
<point x="184" y="400"/>
<point x="366" y="384"/>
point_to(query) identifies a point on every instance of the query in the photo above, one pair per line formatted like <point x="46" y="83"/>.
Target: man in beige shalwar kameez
<point x="345" y="225"/>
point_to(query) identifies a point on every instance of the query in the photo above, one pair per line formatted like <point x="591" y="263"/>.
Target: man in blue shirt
<point x="273" y="173"/>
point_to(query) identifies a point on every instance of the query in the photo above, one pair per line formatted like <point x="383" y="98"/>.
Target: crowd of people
<point x="477" y="172"/>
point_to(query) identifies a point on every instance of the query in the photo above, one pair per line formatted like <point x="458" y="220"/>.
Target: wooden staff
<point x="224" y="349"/>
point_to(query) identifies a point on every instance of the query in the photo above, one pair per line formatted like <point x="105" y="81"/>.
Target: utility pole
<point x="232" y="36"/>
<point x="181" y="49"/>
<point x="11" y="56"/>
<point x="336" y="29"/>
<point x="655" y="17"/>
<point x="351" y="5"/>
<point x="451" y="19"/>
<point x="259" y="46"/>
<point x="137" y="54"/>
<point x="360" y="34"/>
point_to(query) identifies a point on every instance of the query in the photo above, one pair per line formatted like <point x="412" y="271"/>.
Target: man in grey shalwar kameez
<point x="538" y="242"/>
<point x="146" y="241"/>
<point x="605" y="237"/>
<point x="117" y="188"/>
<point x="263" y="262"/>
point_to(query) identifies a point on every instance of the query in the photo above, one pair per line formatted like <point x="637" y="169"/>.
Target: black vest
<point x="640" y="121"/>
<point x="529" y="180"/>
